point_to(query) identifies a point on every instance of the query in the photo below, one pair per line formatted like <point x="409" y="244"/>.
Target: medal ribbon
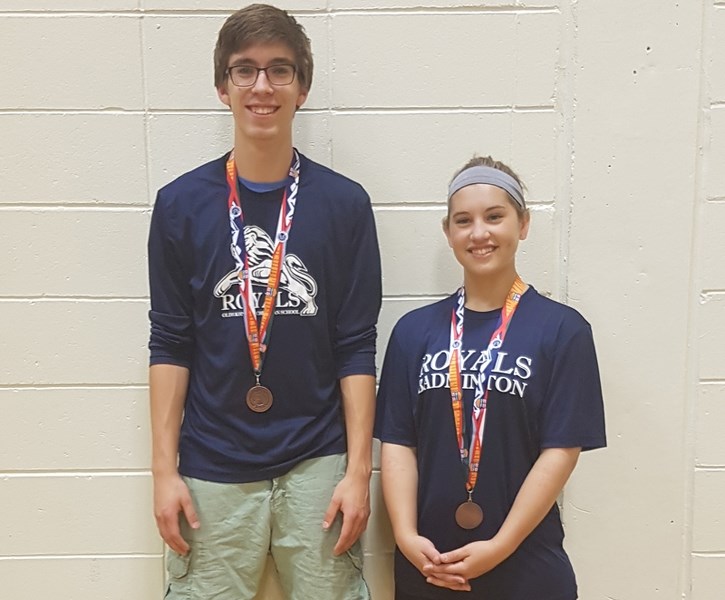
<point x="258" y="334"/>
<point x="471" y="457"/>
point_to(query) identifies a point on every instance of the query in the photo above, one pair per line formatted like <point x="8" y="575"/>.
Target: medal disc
<point x="259" y="398"/>
<point x="469" y="515"/>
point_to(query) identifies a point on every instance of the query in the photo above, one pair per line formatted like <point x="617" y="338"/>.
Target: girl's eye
<point x="495" y="217"/>
<point x="461" y="220"/>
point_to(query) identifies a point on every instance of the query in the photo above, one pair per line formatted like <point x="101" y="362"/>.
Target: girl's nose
<point x="479" y="231"/>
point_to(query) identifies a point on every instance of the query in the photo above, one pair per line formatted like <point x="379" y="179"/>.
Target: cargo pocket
<point x="355" y="557"/>
<point x="177" y="565"/>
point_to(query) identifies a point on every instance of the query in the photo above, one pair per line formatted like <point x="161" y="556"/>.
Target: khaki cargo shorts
<point x="242" y="523"/>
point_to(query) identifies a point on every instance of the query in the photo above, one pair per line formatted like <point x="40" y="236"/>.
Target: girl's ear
<point x="525" y="221"/>
<point x="446" y="231"/>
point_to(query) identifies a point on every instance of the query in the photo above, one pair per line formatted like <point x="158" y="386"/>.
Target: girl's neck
<point x="262" y="163"/>
<point x="483" y="294"/>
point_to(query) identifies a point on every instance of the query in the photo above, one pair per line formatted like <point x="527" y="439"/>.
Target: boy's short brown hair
<point x="262" y="24"/>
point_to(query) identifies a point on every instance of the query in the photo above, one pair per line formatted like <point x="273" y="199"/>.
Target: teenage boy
<point x="265" y="291"/>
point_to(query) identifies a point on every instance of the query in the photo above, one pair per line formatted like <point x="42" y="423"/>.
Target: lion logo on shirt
<point x="294" y="279"/>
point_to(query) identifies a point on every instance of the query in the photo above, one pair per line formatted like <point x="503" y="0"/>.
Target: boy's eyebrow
<point x="274" y="61"/>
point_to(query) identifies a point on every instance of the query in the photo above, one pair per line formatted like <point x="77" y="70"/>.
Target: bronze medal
<point x="469" y="515"/>
<point x="259" y="398"/>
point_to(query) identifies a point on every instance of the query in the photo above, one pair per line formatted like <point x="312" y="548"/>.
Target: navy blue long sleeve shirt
<point x="324" y="327"/>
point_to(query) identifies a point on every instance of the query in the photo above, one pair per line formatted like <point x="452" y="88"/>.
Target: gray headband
<point x="491" y="176"/>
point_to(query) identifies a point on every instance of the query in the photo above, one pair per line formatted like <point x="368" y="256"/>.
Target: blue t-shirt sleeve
<point x="356" y="327"/>
<point x="395" y="415"/>
<point x="171" y="340"/>
<point x="572" y="414"/>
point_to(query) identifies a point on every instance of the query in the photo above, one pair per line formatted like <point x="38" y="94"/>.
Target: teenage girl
<point x="486" y="400"/>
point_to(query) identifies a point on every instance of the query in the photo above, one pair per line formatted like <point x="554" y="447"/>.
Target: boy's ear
<point x="301" y="98"/>
<point x="221" y="92"/>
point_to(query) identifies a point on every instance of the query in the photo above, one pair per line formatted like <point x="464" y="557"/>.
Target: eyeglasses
<point x="247" y="75"/>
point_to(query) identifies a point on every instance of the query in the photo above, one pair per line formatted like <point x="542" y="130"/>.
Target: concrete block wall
<point x="707" y="457"/>
<point x="612" y="112"/>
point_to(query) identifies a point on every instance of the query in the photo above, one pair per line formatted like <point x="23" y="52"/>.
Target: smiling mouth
<point x="263" y="110"/>
<point x="481" y="251"/>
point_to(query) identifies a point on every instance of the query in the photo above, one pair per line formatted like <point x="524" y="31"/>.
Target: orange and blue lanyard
<point x="258" y="334"/>
<point x="471" y="457"/>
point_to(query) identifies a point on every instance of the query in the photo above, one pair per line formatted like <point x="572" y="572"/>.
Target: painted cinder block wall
<point x="614" y="114"/>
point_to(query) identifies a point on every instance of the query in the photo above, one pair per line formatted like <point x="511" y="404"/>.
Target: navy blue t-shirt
<point x="544" y="393"/>
<point x="323" y="329"/>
